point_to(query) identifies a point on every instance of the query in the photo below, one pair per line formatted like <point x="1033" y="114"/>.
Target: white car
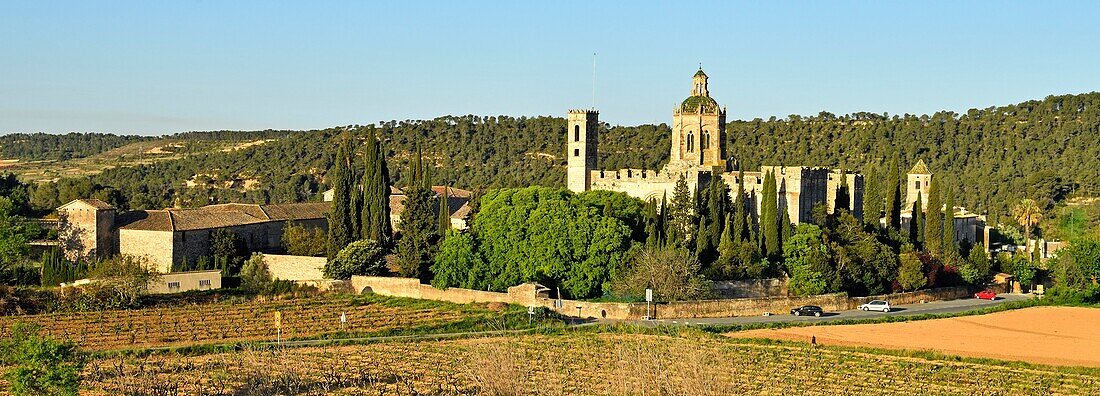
<point x="876" y="305"/>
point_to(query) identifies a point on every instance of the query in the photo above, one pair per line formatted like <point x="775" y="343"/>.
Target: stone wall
<point x="155" y="246"/>
<point x="295" y="268"/>
<point x="528" y="295"/>
<point x="750" y="288"/>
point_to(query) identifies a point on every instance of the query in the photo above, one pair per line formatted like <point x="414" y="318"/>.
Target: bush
<point x="911" y="272"/>
<point x="363" y="257"/>
<point x="40" y="365"/>
<point x="301" y="241"/>
<point x="117" y="283"/>
<point x="255" y="276"/>
<point x="673" y="274"/>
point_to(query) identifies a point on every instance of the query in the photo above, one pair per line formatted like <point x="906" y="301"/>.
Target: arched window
<point x="704" y="142"/>
<point x="576" y="133"/>
<point x="691" y="142"/>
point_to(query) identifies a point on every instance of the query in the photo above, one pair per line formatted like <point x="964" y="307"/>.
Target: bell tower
<point x="698" y="128"/>
<point x="582" y="135"/>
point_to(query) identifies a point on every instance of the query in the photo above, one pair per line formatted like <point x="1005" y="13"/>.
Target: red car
<point x="986" y="294"/>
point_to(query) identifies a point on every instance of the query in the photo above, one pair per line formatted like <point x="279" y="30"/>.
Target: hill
<point x="990" y="157"/>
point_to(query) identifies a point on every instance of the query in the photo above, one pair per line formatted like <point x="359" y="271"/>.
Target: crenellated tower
<point x="583" y="137"/>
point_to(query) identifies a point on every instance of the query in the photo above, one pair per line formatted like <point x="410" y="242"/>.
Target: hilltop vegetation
<point x="990" y="156"/>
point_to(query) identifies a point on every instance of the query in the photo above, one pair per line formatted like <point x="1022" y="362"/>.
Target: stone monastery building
<point x="698" y="138"/>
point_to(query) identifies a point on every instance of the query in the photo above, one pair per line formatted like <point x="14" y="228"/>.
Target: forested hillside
<point x="45" y="146"/>
<point x="989" y="157"/>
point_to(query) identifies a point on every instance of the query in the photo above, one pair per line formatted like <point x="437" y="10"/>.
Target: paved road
<point x="935" y="307"/>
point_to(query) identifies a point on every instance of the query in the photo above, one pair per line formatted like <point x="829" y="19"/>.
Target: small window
<point x="173" y="286"/>
<point x="576" y="152"/>
<point x="576" y="133"/>
<point x="691" y="142"/>
<point x="918" y="184"/>
<point x="204" y="283"/>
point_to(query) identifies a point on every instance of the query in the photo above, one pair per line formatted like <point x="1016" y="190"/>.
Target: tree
<point x="911" y="272"/>
<point x="457" y="255"/>
<point x="255" y="276"/>
<point x="1078" y="265"/>
<point x="843" y="198"/>
<point x="362" y="257"/>
<point x="916" y="223"/>
<point x="228" y="250"/>
<point x="769" y="218"/>
<point x="342" y="217"/>
<point x="681" y="215"/>
<point x="1027" y="213"/>
<point x="976" y="268"/>
<point x="873" y="194"/>
<point x="737" y="258"/>
<point x="40" y="365"/>
<point x="444" y="213"/>
<point x="950" y="247"/>
<point x="299" y="240"/>
<point x="375" y="217"/>
<point x="933" y="221"/>
<point x="419" y="227"/>
<point x="808" y="261"/>
<point x="893" y="195"/>
<point x="672" y="273"/>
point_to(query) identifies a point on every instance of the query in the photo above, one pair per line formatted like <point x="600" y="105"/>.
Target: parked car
<point x="876" y="305"/>
<point x="986" y="295"/>
<point x="807" y="310"/>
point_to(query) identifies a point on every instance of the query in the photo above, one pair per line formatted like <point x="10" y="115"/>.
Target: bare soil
<point x="1046" y="335"/>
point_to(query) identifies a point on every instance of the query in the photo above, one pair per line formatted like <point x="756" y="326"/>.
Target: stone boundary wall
<point x="295" y="268"/>
<point x="527" y="294"/>
<point x="750" y="288"/>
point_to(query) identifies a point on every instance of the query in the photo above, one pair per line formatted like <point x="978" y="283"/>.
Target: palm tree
<point x="1028" y="214"/>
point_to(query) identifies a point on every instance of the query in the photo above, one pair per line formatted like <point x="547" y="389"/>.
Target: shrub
<point x="363" y="257"/>
<point x="302" y="241"/>
<point x="40" y="365"/>
<point x="255" y="276"/>
<point x="911" y="272"/>
<point x="673" y="274"/>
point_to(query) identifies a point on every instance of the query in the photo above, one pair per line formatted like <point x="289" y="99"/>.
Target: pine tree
<point x="893" y="195"/>
<point x="933" y="221"/>
<point x="342" y="217"/>
<point x="950" y="247"/>
<point x="375" y="218"/>
<point x="419" y="226"/>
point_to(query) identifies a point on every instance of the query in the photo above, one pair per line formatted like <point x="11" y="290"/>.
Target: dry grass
<point x="584" y="363"/>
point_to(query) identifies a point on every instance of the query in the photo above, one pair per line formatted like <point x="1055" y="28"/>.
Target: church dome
<point x="692" y="103"/>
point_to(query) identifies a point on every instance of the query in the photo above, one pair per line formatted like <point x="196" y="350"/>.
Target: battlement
<point x="632" y="175"/>
<point x="584" y="111"/>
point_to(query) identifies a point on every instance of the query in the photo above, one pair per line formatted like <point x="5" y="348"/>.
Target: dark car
<point x="807" y="310"/>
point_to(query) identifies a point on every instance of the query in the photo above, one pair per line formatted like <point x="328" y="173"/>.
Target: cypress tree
<point x="375" y="218"/>
<point x="769" y="220"/>
<point x="933" y="221"/>
<point x="419" y="227"/>
<point x="950" y="247"/>
<point x="342" y="217"/>
<point x="915" y="223"/>
<point x="843" y="196"/>
<point x="873" y="197"/>
<point x="444" y="212"/>
<point x="740" y="210"/>
<point x="893" y="195"/>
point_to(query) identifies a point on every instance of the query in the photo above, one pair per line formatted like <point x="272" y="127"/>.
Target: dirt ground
<point x="1065" y="336"/>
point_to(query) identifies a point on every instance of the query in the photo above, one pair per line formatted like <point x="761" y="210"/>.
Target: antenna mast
<point x="593" y="81"/>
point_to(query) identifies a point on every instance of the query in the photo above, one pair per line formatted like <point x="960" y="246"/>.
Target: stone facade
<point x="295" y="268"/>
<point x="85" y="229"/>
<point x="917" y="183"/>
<point x="697" y="150"/>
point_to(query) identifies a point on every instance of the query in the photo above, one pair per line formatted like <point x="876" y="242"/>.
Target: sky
<point x="158" y="67"/>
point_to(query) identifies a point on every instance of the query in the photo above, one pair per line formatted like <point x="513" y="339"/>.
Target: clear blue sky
<point x="154" y="67"/>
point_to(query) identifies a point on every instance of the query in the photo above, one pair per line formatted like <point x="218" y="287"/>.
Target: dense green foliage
<point x="344" y="216"/>
<point x="375" y="223"/>
<point x="672" y="273"/>
<point x="39" y="365"/>
<point x="539" y="234"/>
<point x="362" y="257"/>
<point x="46" y="146"/>
<point x="300" y="240"/>
<point x="419" y="225"/>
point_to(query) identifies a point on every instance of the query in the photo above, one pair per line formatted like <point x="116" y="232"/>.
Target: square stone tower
<point x="582" y="136"/>
<point x="698" y="128"/>
<point x="917" y="184"/>
<point x="87" y="229"/>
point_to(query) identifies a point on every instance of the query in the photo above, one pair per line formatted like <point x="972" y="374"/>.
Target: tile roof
<point x="92" y="202"/>
<point x="920" y="169"/>
<point x="220" y="216"/>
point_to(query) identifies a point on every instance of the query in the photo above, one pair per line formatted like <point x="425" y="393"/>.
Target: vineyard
<point x="576" y="363"/>
<point x="211" y="323"/>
